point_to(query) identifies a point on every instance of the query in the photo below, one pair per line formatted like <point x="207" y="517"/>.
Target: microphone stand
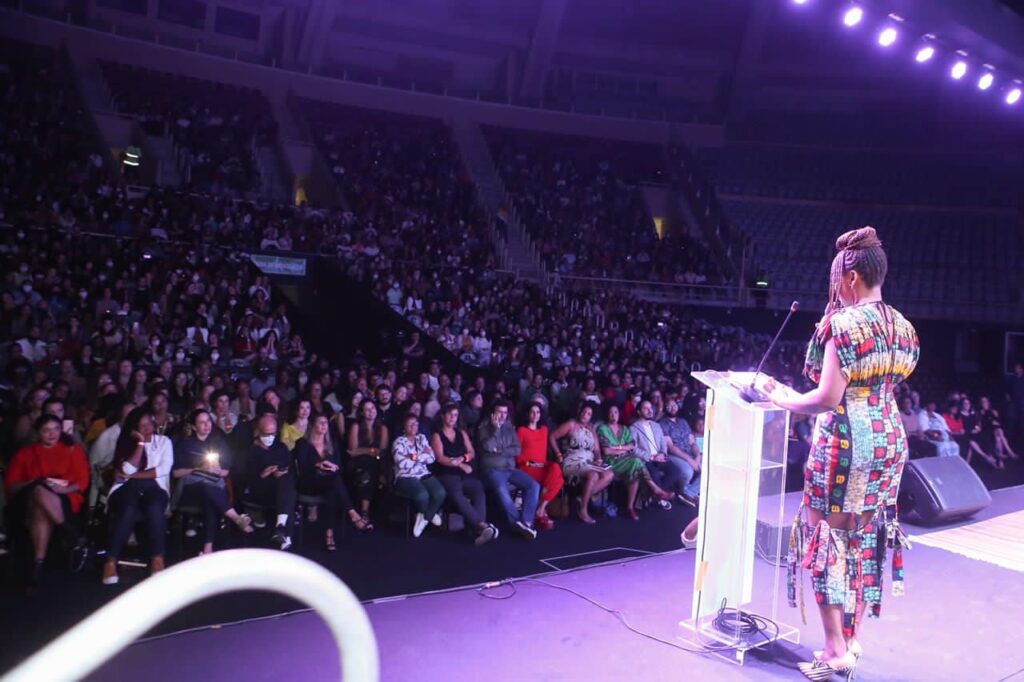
<point x="751" y="393"/>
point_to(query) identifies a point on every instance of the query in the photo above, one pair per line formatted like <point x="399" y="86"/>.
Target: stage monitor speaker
<point x="940" y="489"/>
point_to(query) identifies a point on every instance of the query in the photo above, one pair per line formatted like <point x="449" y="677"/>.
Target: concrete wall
<point x="278" y="82"/>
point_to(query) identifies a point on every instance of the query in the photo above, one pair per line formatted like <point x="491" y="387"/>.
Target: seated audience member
<point x="916" y="442"/>
<point x="101" y="454"/>
<point x="318" y="458"/>
<point x="993" y="437"/>
<point x="142" y="466"/>
<point x="243" y="406"/>
<point x="682" y="450"/>
<point x="164" y="420"/>
<point x="972" y="433"/>
<point x="45" y="483"/>
<point x="202" y="464"/>
<point x="652" y="447"/>
<point x="292" y="431"/>
<point x="936" y="431"/>
<point x="367" y="439"/>
<point x="801" y="426"/>
<point x="533" y="461"/>
<point x="413" y="478"/>
<point x="454" y="466"/>
<point x="576" y="446"/>
<point x="269" y="480"/>
<point x="499" y="448"/>
<point x="618" y="447"/>
<point x="220" y="411"/>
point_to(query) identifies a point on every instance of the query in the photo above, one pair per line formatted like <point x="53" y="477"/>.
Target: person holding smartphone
<point x="45" y="483"/>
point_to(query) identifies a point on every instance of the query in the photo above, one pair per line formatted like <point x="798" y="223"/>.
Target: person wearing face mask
<point x="269" y="479"/>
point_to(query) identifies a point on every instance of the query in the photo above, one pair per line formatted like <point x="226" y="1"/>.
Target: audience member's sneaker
<point x="436" y="521"/>
<point x="486" y="535"/>
<point x="418" y="525"/>
<point x="665" y="504"/>
<point x="526" y="531"/>
<point x="282" y="538"/>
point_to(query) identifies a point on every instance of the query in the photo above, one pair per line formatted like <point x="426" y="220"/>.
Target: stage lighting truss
<point x="890" y="31"/>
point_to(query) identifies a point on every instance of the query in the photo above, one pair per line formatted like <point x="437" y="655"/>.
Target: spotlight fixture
<point x="1013" y="94"/>
<point x="853" y="16"/>
<point x="987" y="79"/>
<point x="799" y="2"/>
<point x="887" y="36"/>
<point x="927" y="49"/>
<point x="959" y="69"/>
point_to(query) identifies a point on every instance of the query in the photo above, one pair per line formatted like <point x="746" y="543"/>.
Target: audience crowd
<point x="150" y="369"/>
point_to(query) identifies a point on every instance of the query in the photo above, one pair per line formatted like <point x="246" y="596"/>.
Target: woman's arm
<point x="561" y="432"/>
<point x="824" y="398"/>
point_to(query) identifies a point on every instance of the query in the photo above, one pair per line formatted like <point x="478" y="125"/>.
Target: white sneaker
<point x="526" y="530"/>
<point x="665" y="504"/>
<point x="436" y="521"/>
<point x="418" y="525"/>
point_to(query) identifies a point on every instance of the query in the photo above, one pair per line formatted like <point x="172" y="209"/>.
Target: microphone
<point x="751" y="393"/>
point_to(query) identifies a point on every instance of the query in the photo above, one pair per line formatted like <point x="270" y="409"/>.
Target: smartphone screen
<point x="68" y="426"/>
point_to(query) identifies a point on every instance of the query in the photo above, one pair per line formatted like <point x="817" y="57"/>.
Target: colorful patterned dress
<point x="856" y="459"/>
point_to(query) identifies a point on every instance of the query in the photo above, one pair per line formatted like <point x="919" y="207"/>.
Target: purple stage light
<point x="853" y="16"/>
<point x="887" y="37"/>
<point x="959" y="69"/>
<point x="799" y="2"/>
<point x="986" y="81"/>
<point x="924" y="54"/>
<point x="1013" y="96"/>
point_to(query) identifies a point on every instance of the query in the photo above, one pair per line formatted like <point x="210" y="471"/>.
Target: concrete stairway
<point x="513" y="245"/>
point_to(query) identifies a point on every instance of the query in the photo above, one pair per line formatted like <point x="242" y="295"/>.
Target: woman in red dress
<point x="45" y="483"/>
<point x="533" y="460"/>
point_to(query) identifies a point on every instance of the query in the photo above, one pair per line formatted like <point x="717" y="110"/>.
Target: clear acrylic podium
<point x="743" y="477"/>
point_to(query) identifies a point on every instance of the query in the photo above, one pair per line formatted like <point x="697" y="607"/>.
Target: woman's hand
<point x="268" y="470"/>
<point x="466" y="468"/>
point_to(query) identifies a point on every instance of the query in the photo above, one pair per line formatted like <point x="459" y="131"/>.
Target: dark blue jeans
<point x="498" y="480"/>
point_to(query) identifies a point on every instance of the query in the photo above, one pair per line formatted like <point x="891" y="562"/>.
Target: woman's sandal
<point x="244" y="523"/>
<point x="362" y="524"/>
<point x="819" y="670"/>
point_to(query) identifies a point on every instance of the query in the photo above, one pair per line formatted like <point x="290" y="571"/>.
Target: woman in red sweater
<point x="45" y="482"/>
<point x="533" y="460"/>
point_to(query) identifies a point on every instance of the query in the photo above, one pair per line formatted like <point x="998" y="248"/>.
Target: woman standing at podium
<point x="861" y="350"/>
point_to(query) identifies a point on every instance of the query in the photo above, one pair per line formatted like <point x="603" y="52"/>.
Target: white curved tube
<point x="99" y="637"/>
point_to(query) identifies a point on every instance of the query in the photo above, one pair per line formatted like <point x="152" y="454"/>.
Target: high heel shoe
<point x="820" y="670"/>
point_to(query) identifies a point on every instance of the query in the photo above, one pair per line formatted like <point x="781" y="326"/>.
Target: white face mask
<point x="267" y="440"/>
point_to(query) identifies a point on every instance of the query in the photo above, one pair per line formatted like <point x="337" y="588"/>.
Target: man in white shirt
<point x="652" y="446"/>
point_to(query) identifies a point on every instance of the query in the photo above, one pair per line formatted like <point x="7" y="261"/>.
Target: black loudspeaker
<point x="940" y="489"/>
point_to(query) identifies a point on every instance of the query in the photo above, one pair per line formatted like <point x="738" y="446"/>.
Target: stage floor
<point x="956" y="622"/>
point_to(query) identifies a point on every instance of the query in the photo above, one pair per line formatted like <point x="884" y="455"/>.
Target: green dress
<point x="625" y="466"/>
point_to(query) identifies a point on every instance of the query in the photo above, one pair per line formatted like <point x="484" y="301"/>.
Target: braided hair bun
<point x="859" y="239"/>
<point x="860" y="250"/>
